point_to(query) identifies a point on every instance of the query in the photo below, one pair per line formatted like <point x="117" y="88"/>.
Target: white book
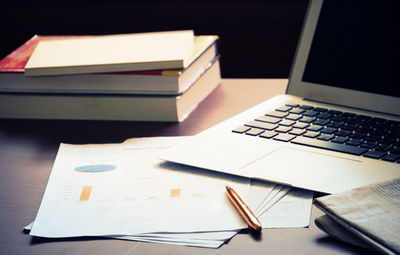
<point x="110" y="106"/>
<point x="167" y="81"/>
<point x="112" y="53"/>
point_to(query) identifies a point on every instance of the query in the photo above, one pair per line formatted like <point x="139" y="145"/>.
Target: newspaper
<point x="370" y="213"/>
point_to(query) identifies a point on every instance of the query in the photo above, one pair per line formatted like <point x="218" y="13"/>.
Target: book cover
<point x="168" y="81"/>
<point x="111" y="53"/>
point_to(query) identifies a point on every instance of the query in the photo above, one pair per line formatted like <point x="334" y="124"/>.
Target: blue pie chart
<point x="95" y="168"/>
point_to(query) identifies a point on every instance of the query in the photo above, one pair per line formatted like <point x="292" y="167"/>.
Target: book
<point x="111" y="106"/>
<point x="368" y="216"/>
<point x="171" y="81"/>
<point x="112" y="53"/>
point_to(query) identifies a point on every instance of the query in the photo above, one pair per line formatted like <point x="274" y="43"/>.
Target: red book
<point x="170" y="82"/>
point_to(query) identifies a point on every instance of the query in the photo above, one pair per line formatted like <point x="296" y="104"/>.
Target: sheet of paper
<point x="292" y="211"/>
<point x="185" y="242"/>
<point x="278" y="192"/>
<point x="198" y="239"/>
<point x="123" y="189"/>
<point x="259" y="193"/>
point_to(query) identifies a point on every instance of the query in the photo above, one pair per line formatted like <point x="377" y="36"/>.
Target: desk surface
<point x="28" y="149"/>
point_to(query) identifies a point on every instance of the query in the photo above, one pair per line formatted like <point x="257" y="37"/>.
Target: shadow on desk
<point x="80" y="132"/>
<point x="257" y="237"/>
<point x="328" y="241"/>
<point x="41" y="240"/>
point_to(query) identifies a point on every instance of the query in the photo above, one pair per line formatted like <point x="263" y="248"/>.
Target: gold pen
<point x="243" y="209"/>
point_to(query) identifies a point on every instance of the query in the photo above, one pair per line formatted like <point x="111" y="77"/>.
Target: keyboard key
<point x="324" y="115"/>
<point x="342" y="133"/>
<point x="284" y="108"/>
<point x="320" y="109"/>
<point x="339" y="139"/>
<point x="351" y="120"/>
<point x="284" y="137"/>
<point x="292" y="104"/>
<point x="335" y="124"/>
<point x="310" y="113"/>
<point x="349" y="115"/>
<point x="325" y="137"/>
<point x="297" y="110"/>
<point x="286" y="122"/>
<point x="297" y="131"/>
<point x="307" y="119"/>
<point x="293" y="116"/>
<point x="254" y="131"/>
<point x="364" y="118"/>
<point x="338" y="118"/>
<point x="321" y="122"/>
<point x="283" y="129"/>
<point x="268" y="134"/>
<point x="369" y="145"/>
<point x="396" y="150"/>
<point x="374" y="154"/>
<point x="372" y="138"/>
<point x="328" y="130"/>
<point x="354" y="142"/>
<point x="361" y="129"/>
<point x="376" y="132"/>
<point x="387" y="141"/>
<point x="315" y="128"/>
<point x="349" y="127"/>
<point x="241" y="129"/>
<point x="307" y="107"/>
<point x="334" y="112"/>
<point x="384" y="148"/>
<point x="260" y="124"/>
<point x="329" y="145"/>
<point x="277" y="114"/>
<point x="311" y="134"/>
<point x="268" y="119"/>
<point x="391" y="157"/>
<point x="300" y="125"/>
<point x="357" y="135"/>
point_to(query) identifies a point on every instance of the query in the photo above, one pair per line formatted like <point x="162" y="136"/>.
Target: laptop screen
<point x="355" y="46"/>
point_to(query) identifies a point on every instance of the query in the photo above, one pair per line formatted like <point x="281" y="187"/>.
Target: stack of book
<point x="145" y="77"/>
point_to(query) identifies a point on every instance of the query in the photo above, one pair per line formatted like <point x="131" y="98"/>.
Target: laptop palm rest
<point x="305" y="169"/>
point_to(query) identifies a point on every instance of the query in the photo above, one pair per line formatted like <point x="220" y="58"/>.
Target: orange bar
<point x="85" y="194"/>
<point x="175" y="192"/>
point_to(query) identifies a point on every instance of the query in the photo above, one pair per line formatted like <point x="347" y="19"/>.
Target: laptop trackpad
<point x="306" y="169"/>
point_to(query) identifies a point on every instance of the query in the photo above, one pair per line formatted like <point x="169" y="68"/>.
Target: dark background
<point x="257" y="38"/>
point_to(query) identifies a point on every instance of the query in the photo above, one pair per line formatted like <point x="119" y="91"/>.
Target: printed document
<point x="124" y="191"/>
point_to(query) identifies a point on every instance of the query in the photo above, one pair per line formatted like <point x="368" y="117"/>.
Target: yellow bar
<point x="85" y="194"/>
<point x="175" y="192"/>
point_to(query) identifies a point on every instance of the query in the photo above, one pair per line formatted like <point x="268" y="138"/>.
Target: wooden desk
<point x="28" y="149"/>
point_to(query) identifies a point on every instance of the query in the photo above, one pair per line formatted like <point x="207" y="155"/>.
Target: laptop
<point x="338" y="125"/>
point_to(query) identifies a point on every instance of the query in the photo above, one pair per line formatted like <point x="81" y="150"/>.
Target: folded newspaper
<point x="368" y="216"/>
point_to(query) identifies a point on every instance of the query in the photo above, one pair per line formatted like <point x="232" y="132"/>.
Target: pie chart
<point x="95" y="168"/>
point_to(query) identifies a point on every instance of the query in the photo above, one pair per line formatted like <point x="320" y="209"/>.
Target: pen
<point x="243" y="209"/>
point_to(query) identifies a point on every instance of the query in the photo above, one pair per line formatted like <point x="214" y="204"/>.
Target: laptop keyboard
<point x="346" y="132"/>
